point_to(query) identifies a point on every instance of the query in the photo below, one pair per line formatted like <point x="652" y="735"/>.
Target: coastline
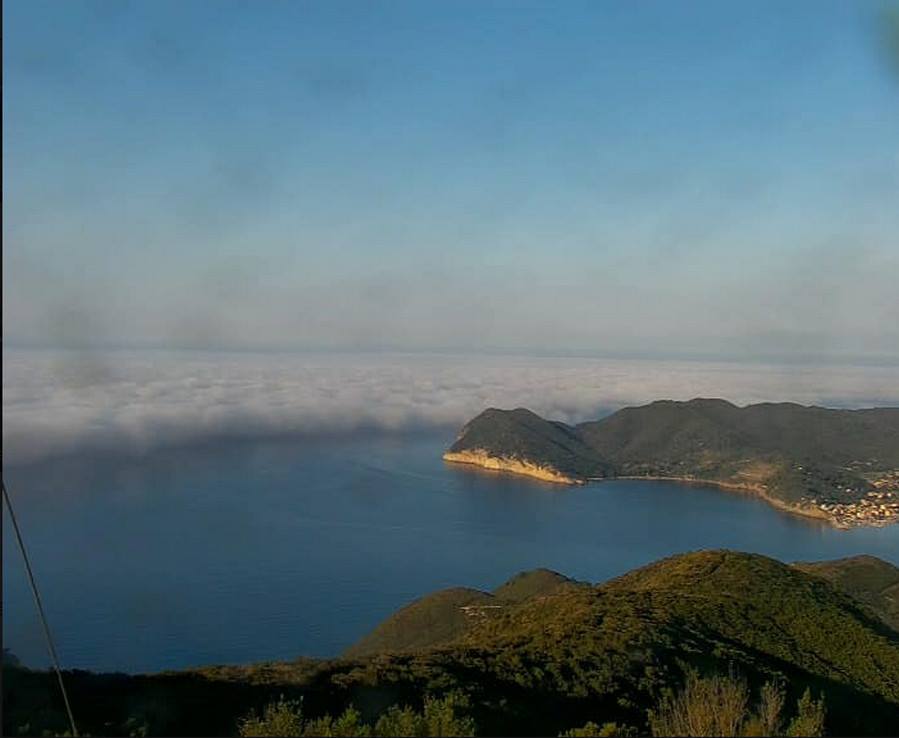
<point x="756" y="490"/>
<point x="481" y="458"/>
<point x="484" y="460"/>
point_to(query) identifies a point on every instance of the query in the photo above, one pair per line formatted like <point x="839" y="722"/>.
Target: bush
<point x="281" y="718"/>
<point x="809" y="720"/>
<point x="718" y="706"/>
<point x="715" y="705"/>
<point x="440" y="717"/>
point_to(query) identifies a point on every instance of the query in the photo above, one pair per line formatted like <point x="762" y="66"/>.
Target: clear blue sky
<point x="714" y="178"/>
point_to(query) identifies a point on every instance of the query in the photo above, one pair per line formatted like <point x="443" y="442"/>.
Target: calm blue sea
<point x="241" y="553"/>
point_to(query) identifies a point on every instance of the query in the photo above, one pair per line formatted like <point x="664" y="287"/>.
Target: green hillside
<point x="867" y="578"/>
<point x="534" y="583"/>
<point x="841" y="465"/>
<point x="548" y="663"/>
<point x="430" y="621"/>
<point x="443" y="616"/>
<point x="523" y="434"/>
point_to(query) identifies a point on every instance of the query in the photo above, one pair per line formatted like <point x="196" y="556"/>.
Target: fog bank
<point x="133" y="402"/>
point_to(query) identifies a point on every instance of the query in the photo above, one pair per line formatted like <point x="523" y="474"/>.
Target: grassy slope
<point x="553" y="661"/>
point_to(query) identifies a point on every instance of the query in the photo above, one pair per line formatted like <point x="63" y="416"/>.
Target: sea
<point x="246" y="551"/>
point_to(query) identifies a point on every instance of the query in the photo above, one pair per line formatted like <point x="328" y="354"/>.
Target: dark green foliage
<point x="439" y="717"/>
<point x="606" y="730"/>
<point x="430" y="621"/>
<point x="867" y="578"/>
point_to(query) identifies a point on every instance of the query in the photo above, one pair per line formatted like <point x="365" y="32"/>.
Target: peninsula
<point x="840" y="466"/>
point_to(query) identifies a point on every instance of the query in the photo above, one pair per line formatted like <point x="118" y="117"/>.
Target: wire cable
<point x="40" y="609"/>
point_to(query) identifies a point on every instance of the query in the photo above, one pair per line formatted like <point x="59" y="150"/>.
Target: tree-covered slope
<point x="522" y="434"/>
<point x="429" y="621"/>
<point x="443" y="616"/>
<point x="840" y="465"/>
<point x="669" y="429"/>
<point x="534" y="583"/>
<point x="547" y="663"/>
<point x="871" y="580"/>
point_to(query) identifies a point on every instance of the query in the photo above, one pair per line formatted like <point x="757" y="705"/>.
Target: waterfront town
<point x="878" y="507"/>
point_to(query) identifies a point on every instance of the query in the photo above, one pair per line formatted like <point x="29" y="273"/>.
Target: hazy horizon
<point x="704" y="180"/>
<point x="134" y="402"/>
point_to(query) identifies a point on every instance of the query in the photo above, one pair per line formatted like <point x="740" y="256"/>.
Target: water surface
<point x="240" y="553"/>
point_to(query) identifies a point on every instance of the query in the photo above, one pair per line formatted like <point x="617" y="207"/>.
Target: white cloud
<point x="61" y="402"/>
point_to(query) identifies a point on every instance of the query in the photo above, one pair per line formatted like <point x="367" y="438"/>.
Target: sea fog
<point x="131" y="402"/>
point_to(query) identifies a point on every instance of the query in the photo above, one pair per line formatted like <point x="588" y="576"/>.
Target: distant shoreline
<point x="523" y="467"/>
<point x="757" y="490"/>
<point x="837" y="466"/>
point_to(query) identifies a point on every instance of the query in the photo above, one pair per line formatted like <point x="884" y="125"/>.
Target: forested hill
<point x="552" y="656"/>
<point x="838" y="465"/>
<point x="867" y="578"/>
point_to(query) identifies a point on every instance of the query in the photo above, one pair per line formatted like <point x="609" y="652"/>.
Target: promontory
<point x="841" y="466"/>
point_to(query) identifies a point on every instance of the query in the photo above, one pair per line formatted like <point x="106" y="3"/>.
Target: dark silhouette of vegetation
<point x="606" y="730"/>
<point x="442" y="716"/>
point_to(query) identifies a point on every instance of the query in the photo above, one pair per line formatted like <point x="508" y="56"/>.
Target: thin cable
<point x="40" y="609"/>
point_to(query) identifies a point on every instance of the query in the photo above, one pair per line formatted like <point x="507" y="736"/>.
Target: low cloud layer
<point x="133" y="402"/>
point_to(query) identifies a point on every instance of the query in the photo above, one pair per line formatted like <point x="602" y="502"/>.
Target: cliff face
<point x="484" y="459"/>
<point x="838" y="465"/>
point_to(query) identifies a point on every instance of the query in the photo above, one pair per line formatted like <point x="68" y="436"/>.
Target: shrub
<point x="281" y="718"/>
<point x="809" y="720"/>
<point x="440" y="717"/>
<point x="718" y="706"/>
<point x="715" y="705"/>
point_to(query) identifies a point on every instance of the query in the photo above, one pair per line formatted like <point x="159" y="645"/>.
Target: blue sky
<point x="652" y="178"/>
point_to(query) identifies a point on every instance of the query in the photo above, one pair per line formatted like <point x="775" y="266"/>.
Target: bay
<point x="244" y="552"/>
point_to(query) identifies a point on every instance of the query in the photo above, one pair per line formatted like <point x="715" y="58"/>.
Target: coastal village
<point x="878" y="507"/>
